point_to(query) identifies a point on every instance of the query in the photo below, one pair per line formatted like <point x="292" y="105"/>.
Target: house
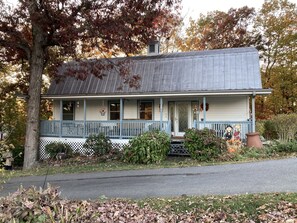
<point x="213" y="89"/>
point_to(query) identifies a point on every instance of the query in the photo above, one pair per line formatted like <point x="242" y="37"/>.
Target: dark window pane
<point x="152" y="48"/>
<point x="68" y="110"/>
<point x="114" y="110"/>
<point x="146" y="110"/>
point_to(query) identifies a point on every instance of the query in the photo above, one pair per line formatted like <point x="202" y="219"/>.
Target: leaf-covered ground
<point x="32" y="205"/>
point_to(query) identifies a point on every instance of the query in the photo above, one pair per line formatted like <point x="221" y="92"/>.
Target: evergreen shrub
<point x="204" y="145"/>
<point x="150" y="147"/>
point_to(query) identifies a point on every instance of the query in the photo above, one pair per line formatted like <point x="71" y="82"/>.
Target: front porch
<point x="75" y="133"/>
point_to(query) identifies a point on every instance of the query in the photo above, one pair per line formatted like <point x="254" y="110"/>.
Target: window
<point x="152" y="48"/>
<point x="114" y="110"/>
<point x="68" y="110"/>
<point x="146" y="110"/>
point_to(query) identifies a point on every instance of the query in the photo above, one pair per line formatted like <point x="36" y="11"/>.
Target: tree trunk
<point x="33" y="112"/>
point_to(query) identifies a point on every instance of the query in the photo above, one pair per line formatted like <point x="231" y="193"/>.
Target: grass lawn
<point x="86" y="165"/>
<point x="92" y="164"/>
<point x="276" y="207"/>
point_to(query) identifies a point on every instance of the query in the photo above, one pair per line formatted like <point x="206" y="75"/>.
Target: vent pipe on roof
<point x="153" y="48"/>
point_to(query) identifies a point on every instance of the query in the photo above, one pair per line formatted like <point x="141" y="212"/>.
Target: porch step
<point x="177" y="147"/>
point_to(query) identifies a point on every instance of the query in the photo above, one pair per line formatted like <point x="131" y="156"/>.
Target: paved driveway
<point x="256" y="177"/>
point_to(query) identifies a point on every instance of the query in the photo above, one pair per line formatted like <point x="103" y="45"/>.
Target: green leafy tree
<point x="277" y="23"/>
<point x="35" y="28"/>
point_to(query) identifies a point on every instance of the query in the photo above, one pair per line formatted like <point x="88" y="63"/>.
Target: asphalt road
<point x="256" y="177"/>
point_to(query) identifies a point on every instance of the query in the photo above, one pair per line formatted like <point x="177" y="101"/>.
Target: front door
<point x="180" y="117"/>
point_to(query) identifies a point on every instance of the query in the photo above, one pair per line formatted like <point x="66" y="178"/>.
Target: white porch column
<point x="61" y="117"/>
<point x="161" y="113"/>
<point x="85" y="118"/>
<point x="204" y="111"/>
<point x="121" y="117"/>
<point x="253" y="113"/>
<point x="197" y="114"/>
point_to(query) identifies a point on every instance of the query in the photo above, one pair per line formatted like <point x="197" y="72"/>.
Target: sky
<point x="193" y="8"/>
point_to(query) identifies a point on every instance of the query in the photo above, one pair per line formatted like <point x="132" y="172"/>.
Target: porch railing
<point x="112" y="129"/>
<point x="220" y="126"/>
<point x="128" y="128"/>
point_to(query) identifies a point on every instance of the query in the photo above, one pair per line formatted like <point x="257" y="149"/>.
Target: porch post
<point x="204" y="111"/>
<point x="253" y="113"/>
<point x="85" y="118"/>
<point x="197" y="115"/>
<point x="121" y="117"/>
<point x="61" y="118"/>
<point x="161" y="113"/>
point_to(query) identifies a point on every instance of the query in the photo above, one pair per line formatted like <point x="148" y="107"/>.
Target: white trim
<point x="190" y="94"/>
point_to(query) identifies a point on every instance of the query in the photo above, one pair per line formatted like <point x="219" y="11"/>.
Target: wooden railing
<point x="112" y="129"/>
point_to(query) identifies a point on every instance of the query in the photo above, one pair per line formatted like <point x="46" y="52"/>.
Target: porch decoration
<point x="228" y="134"/>
<point x="102" y="111"/>
<point x="206" y="107"/>
<point x="233" y="145"/>
<point x="233" y="138"/>
<point x="237" y="132"/>
<point x="195" y="109"/>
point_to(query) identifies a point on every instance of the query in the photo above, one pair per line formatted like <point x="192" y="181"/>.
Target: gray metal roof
<point x="198" y="71"/>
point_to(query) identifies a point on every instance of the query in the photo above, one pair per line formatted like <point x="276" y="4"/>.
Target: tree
<point x="12" y="115"/>
<point x="219" y="29"/>
<point x="36" y="30"/>
<point x="277" y="23"/>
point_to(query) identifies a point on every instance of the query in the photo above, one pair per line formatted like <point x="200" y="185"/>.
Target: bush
<point x="285" y="126"/>
<point x="18" y="155"/>
<point x="55" y="148"/>
<point x="4" y="148"/>
<point x="260" y="126"/>
<point x="99" y="144"/>
<point x="270" y="132"/>
<point x="250" y="153"/>
<point x="150" y="147"/>
<point x="204" y="145"/>
<point x="289" y="147"/>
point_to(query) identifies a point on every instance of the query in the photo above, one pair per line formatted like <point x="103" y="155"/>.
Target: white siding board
<point x="56" y="110"/>
<point x="227" y="109"/>
<point x="232" y="108"/>
<point x="130" y="109"/>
